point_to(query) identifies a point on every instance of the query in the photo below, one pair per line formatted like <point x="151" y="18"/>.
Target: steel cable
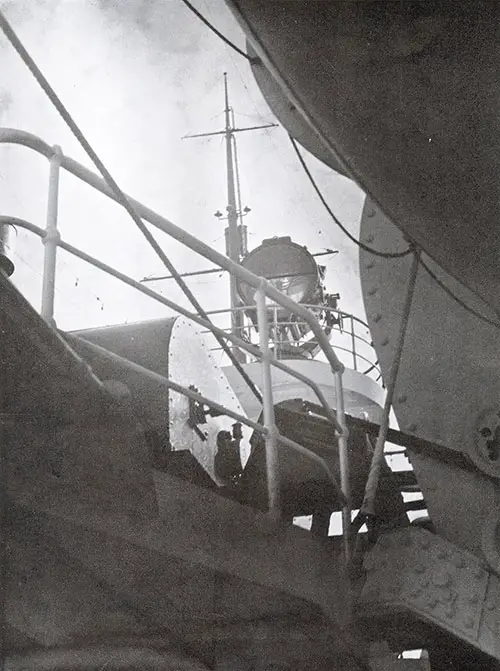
<point x="366" y="248"/>
<point x="121" y="197"/>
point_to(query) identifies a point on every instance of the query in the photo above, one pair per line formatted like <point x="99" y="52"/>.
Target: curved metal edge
<point x="287" y="114"/>
<point x="25" y="139"/>
<point x="328" y="143"/>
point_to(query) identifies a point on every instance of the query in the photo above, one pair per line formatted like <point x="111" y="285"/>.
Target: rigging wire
<point x="217" y="32"/>
<point x="121" y="197"/>
<point x="237" y="175"/>
<point x="458" y="300"/>
<point x="366" y="248"/>
<point x="390" y="255"/>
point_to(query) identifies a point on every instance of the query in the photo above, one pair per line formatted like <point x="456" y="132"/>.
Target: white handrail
<point x="54" y="154"/>
<point x="204" y="400"/>
<point x="242" y="344"/>
<point x="12" y="136"/>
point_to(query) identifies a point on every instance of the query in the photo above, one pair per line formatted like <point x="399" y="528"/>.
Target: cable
<point x="385" y="255"/>
<point x="391" y="255"/>
<point x="458" y="300"/>
<point x="121" y="197"/>
<point x="219" y="34"/>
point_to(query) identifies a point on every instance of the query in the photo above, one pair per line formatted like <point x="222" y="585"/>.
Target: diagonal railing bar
<point x="251" y="349"/>
<point x="200" y="398"/>
<point x="139" y="212"/>
<point x="120" y="196"/>
<point x="23" y="138"/>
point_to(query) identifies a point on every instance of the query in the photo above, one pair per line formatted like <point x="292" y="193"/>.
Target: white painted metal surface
<point x="191" y="363"/>
<point x="363" y="396"/>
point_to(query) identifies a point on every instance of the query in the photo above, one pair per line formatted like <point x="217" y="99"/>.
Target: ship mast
<point x="233" y="244"/>
<point x="234" y="234"/>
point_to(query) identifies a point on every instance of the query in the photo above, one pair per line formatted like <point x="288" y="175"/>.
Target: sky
<point x="138" y="75"/>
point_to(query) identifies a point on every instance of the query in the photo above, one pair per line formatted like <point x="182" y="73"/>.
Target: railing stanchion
<point x="51" y="239"/>
<point x="353" y="340"/>
<point x="267" y="403"/>
<point x="345" y="484"/>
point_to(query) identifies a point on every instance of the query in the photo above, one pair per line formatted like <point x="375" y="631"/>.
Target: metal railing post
<point x="51" y="239"/>
<point x="267" y="403"/>
<point x="353" y="340"/>
<point x="345" y="484"/>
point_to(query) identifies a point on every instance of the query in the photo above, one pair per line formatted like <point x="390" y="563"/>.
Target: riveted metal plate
<point x="428" y="577"/>
<point x="448" y="376"/>
<point x="459" y="501"/>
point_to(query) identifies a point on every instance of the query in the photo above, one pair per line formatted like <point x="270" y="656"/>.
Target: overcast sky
<point x="137" y="75"/>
